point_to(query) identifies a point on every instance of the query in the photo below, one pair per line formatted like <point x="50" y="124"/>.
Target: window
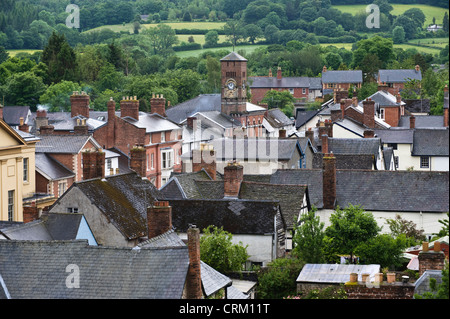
<point x="62" y="186"/>
<point x="163" y="137"/>
<point x="10" y="206"/>
<point x="393" y="145"/>
<point x="382" y="114"/>
<point x="424" y="162"/>
<point x="108" y="163"/>
<point x="25" y="169"/>
<point x="152" y="161"/>
<point x="396" y="161"/>
<point x="167" y="159"/>
<point x="164" y="181"/>
<point x="72" y="209"/>
<point x="303" y="90"/>
<point x="291" y="91"/>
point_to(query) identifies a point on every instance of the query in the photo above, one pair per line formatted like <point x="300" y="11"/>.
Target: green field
<point x="429" y="11"/>
<point x="13" y="53"/>
<point x="198" y="38"/>
<point x="173" y="25"/>
<point x="194" y="53"/>
<point x="430" y="50"/>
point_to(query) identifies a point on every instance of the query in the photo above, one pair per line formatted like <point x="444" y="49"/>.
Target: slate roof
<point x="123" y="199"/>
<point x="284" y="82"/>
<point x="262" y="149"/>
<point x="417" y="106"/>
<point x="393" y="135"/>
<point x="202" y="103"/>
<point x="50" y="168"/>
<point x="422" y="121"/>
<point x="53" y="226"/>
<point x="69" y="124"/>
<point x="12" y="114"/>
<point x="430" y="142"/>
<point x="277" y="118"/>
<point x="217" y="117"/>
<point x="236" y="216"/>
<point x="422" y="285"/>
<point x="401" y="75"/>
<point x="346" y="161"/>
<point x="233" y="56"/>
<point x="152" y="122"/>
<point x="37" y="269"/>
<point x="354" y="145"/>
<point x="184" y="185"/>
<point x="71" y="144"/>
<point x="342" y="76"/>
<point x="376" y="190"/>
<point x="303" y="116"/>
<point x="384" y="98"/>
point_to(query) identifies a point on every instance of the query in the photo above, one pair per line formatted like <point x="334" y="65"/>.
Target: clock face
<point x="230" y="88"/>
<point x="230" y="85"/>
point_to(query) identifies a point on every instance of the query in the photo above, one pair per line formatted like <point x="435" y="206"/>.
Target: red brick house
<point x="152" y="141"/>
<point x="341" y="80"/>
<point x="395" y="79"/>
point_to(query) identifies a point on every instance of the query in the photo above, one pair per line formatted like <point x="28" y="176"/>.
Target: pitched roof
<point x="12" y="114"/>
<point x="261" y="149"/>
<point x="152" y="122"/>
<point x="430" y="142"/>
<point x="335" y="273"/>
<point x="376" y="190"/>
<point x="284" y="82"/>
<point x="71" y="144"/>
<point x="105" y="272"/>
<point x="342" y="76"/>
<point x="394" y="135"/>
<point x="384" y="98"/>
<point x="277" y="118"/>
<point x="237" y="216"/>
<point x="233" y="56"/>
<point x="123" y="199"/>
<point x="201" y="103"/>
<point x="50" y="168"/>
<point x="422" y="121"/>
<point x="401" y="75"/>
<point x="354" y="145"/>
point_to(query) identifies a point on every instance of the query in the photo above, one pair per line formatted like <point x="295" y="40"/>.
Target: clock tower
<point x="234" y="78"/>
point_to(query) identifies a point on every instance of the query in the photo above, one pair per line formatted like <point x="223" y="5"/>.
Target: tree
<point x="4" y="55"/>
<point x="252" y="31"/>
<point x="444" y="230"/>
<point x="277" y="280"/>
<point x="211" y="38"/>
<point x="23" y="89"/>
<point x="57" y="95"/>
<point x="416" y="15"/>
<point x="308" y="238"/>
<point x="445" y="22"/>
<point x="377" y="46"/>
<point x="383" y="249"/>
<point x="398" y="35"/>
<point x="233" y="31"/>
<point x="280" y="99"/>
<point x="218" y="251"/>
<point x="399" y="226"/>
<point x="213" y="74"/>
<point x="350" y="227"/>
<point x="59" y="58"/>
<point x="408" y="24"/>
<point x="162" y="38"/>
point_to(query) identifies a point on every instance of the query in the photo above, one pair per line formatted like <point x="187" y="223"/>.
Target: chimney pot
<point x="193" y="280"/>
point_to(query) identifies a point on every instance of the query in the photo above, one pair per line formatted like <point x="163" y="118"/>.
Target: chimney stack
<point x="193" y="288"/>
<point x="110" y="130"/>
<point x="369" y="133"/>
<point x="412" y="122"/>
<point x="93" y="164"/>
<point x="310" y="134"/>
<point x="431" y="260"/>
<point x="282" y="133"/>
<point x="324" y="69"/>
<point x="417" y="68"/>
<point x="279" y="73"/>
<point x="138" y="157"/>
<point x="329" y="181"/>
<point x="81" y="128"/>
<point x="233" y="176"/>
<point x="129" y="106"/>
<point x="158" y="104"/>
<point x="46" y="129"/>
<point x="23" y="127"/>
<point x="369" y="113"/>
<point x="30" y="213"/>
<point x="79" y="104"/>
<point x="204" y="158"/>
<point x="324" y="139"/>
<point x="159" y="218"/>
<point x="41" y="118"/>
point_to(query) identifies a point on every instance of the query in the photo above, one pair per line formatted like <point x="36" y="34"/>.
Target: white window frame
<point x="11" y="204"/>
<point x="424" y="162"/>
<point x="167" y="159"/>
<point x="26" y="169"/>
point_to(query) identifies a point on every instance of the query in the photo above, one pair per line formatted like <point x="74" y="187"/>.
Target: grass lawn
<point x="429" y="11"/>
<point x="198" y="38"/>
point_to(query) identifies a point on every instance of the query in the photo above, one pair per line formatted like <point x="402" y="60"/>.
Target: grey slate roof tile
<point x="430" y="142"/>
<point x="402" y="75"/>
<point x="342" y="76"/>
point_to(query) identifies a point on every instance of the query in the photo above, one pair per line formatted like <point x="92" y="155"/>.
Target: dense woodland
<point x="115" y="64"/>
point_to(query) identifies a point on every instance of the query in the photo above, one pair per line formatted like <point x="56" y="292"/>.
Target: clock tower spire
<point x="234" y="78"/>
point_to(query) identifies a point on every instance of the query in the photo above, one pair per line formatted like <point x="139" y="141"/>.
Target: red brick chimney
<point x="159" y="218"/>
<point x="138" y="157"/>
<point x="369" y="113"/>
<point x="23" y="127"/>
<point x="158" y="104"/>
<point x="129" y="106"/>
<point x="412" y="121"/>
<point x="205" y="158"/>
<point x="324" y="139"/>
<point x="431" y="260"/>
<point x="191" y="121"/>
<point x="41" y="118"/>
<point x="369" y="133"/>
<point x="79" y="104"/>
<point x="329" y="181"/>
<point x="110" y="135"/>
<point x="93" y="164"/>
<point x="193" y="287"/>
<point x="324" y="69"/>
<point x="282" y="133"/>
<point x="46" y="129"/>
<point x="279" y="76"/>
<point x="81" y="128"/>
<point x="30" y="213"/>
<point x="233" y="176"/>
